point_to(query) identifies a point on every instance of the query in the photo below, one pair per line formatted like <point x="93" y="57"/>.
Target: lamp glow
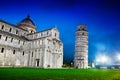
<point x="118" y="57"/>
<point x="102" y="59"/>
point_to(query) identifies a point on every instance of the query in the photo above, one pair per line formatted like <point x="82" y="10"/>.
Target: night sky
<point x="102" y="18"/>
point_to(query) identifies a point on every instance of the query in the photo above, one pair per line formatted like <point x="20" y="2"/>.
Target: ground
<point x="57" y="74"/>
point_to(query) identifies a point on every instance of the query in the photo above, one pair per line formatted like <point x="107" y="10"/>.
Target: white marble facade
<point x="22" y="46"/>
<point x="81" y="48"/>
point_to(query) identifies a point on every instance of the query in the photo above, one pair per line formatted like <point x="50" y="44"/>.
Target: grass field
<point x="57" y="74"/>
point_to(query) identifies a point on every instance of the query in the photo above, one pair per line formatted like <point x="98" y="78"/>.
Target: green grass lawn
<point x="57" y="74"/>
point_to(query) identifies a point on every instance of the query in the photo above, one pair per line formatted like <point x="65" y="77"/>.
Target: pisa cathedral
<point x="81" y="48"/>
<point x="22" y="46"/>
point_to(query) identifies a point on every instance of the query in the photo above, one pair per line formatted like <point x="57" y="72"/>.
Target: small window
<point x="55" y="34"/>
<point x="10" y="30"/>
<point x="2" y="27"/>
<point x="2" y="50"/>
<point x="23" y="53"/>
<point x="0" y="36"/>
<point x="32" y="54"/>
<point x="14" y="52"/>
<point x="83" y="33"/>
<point x="53" y="43"/>
<point x="11" y="39"/>
<point x="6" y="38"/>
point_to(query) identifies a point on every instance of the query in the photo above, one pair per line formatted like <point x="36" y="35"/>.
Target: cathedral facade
<point x="22" y="46"/>
<point x="81" y="48"/>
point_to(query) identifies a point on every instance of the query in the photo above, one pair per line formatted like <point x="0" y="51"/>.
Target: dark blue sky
<point x="102" y="18"/>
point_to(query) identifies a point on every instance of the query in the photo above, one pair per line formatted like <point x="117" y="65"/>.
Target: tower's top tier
<point x="82" y="28"/>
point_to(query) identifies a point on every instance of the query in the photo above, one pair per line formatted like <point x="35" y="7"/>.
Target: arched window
<point x="2" y="50"/>
<point x="23" y="53"/>
<point x="16" y="31"/>
<point x="32" y="54"/>
<point x="11" y="39"/>
<point x="0" y="36"/>
<point x="2" y="27"/>
<point x="10" y="30"/>
<point x="13" y="51"/>
<point x="6" y="39"/>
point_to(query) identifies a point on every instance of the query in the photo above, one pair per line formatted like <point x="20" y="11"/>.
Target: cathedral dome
<point x="27" y="20"/>
<point x="27" y="24"/>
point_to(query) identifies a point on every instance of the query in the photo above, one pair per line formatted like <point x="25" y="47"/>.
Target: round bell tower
<point x="81" y="48"/>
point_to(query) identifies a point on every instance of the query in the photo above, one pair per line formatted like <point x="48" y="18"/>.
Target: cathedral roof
<point x="27" y="20"/>
<point x="11" y="24"/>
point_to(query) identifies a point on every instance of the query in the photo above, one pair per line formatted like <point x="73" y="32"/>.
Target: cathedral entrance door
<point x="37" y="62"/>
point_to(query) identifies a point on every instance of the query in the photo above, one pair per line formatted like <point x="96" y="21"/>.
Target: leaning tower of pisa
<point x="81" y="48"/>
